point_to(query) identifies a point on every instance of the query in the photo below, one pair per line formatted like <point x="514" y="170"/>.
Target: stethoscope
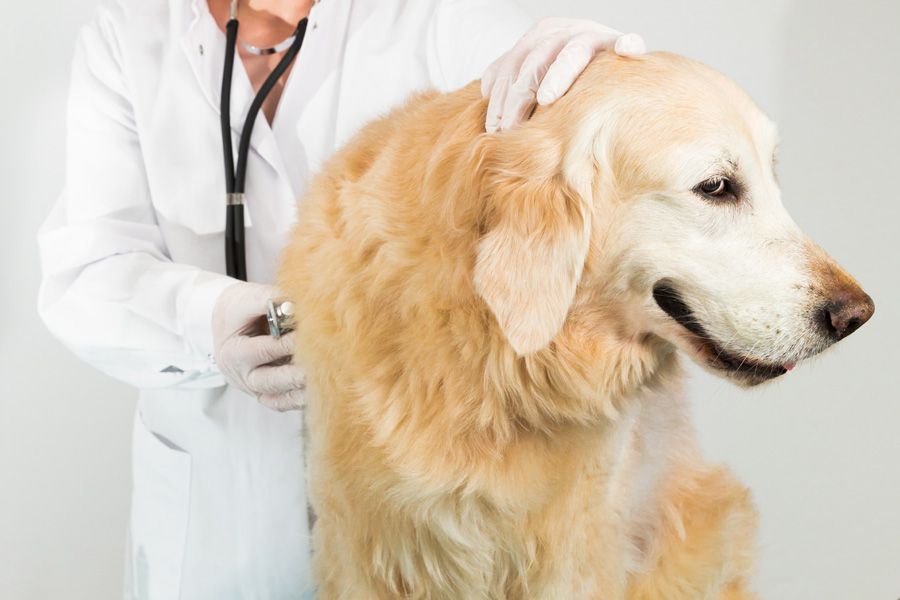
<point x="235" y="179"/>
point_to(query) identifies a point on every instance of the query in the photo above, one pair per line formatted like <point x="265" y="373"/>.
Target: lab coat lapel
<point x="204" y="46"/>
<point x="304" y="142"/>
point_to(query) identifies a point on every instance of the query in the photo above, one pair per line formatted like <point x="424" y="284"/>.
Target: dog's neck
<point x="585" y="377"/>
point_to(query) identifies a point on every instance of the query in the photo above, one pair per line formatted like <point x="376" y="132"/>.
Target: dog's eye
<point x="713" y="187"/>
<point x="717" y="187"/>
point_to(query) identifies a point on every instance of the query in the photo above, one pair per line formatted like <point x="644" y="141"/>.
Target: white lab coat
<point x="132" y="255"/>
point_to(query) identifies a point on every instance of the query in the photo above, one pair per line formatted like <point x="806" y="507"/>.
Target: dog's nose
<point x="846" y="312"/>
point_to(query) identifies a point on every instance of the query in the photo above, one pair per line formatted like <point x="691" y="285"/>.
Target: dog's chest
<point x="653" y="436"/>
<point x="581" y="544"/>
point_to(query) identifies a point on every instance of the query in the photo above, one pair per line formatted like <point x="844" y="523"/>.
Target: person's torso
<point x="358" y="60"/>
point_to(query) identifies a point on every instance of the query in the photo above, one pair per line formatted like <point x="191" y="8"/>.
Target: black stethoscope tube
<point x="235" y="252"/>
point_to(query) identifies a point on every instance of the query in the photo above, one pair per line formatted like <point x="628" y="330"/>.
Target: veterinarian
<point x="132" y="253"/>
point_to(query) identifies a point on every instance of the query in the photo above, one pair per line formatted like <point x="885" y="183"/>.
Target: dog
<point x="491" y="326"/>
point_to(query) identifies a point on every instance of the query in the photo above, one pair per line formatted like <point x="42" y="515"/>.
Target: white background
<point x="820" y="449"/>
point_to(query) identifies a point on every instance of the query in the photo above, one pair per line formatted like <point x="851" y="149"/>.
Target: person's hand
<point x="543" y="65"/>
<point x="248" y="357"/>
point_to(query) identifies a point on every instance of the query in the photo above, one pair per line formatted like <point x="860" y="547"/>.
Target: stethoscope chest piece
<point x="280" y="316"/>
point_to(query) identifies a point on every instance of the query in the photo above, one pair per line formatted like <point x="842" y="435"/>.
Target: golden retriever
<point x="490" y="325"/>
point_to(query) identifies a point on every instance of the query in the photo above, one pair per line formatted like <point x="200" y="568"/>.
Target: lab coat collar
<point x="204" y="46"/>
<point x="316" y="75"/>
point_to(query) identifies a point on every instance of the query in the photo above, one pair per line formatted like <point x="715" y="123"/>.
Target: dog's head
<point x="649" y="191"/>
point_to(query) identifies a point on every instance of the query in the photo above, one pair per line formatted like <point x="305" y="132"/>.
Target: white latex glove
<point x="543" y="65"/>
<point x="248" y="357"/>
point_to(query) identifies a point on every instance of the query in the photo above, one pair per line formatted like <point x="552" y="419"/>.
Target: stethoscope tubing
<point x="235" y="178"/>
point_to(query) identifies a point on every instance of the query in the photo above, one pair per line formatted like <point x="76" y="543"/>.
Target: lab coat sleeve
<point x="109" y="289"/>
<point x="467" y="35"/>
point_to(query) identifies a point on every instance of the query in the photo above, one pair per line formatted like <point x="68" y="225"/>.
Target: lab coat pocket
<point x="160" y="504"/>
<point x="194" y="230"/>
<point x="194" y="207"/>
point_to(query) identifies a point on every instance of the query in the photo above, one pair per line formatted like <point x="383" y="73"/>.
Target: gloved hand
<point x="543" y="65"/>
<point x="248" y="357"/>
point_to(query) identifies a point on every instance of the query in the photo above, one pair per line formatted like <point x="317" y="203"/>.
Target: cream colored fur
<point x="495" y="408"/>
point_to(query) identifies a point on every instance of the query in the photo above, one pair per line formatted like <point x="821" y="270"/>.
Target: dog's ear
<point x="536" y="231"/>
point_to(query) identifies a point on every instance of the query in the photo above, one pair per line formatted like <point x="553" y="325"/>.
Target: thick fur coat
<point x="494" y="399"/>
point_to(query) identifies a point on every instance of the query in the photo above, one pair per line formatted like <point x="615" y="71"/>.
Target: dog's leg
<point x="339" y="569"/>
<point x="705" y="545"/>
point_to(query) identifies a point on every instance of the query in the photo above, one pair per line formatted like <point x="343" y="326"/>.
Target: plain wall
<point x="65" y="429"/>
<point x="819" y="448"/>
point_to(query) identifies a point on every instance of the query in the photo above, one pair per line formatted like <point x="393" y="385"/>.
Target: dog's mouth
<point x="745" y="368"/>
